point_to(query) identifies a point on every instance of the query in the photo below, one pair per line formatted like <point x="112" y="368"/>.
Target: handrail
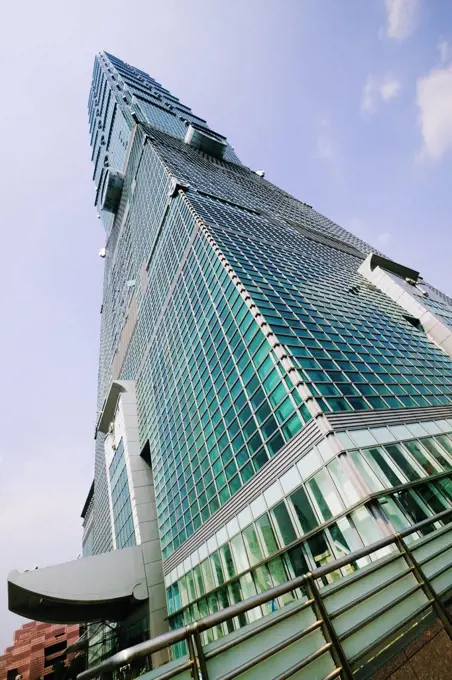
<point x="172" y="637"/>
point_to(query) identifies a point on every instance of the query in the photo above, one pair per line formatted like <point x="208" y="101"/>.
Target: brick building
<point x="36" y="648"/>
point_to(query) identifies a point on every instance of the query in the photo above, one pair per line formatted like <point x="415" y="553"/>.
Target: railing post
<point x="425" y="584"/>
<point x="338" y="652"/>
<point x="200" y="652"/>
<point x="194" y="671"/>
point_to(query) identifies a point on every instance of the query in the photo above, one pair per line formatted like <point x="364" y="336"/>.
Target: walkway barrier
<point x="344" y="630"/>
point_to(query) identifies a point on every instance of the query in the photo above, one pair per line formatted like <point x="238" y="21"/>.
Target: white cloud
<point x="389" y="89"/>
<point x="402" y="18"/>
<point x="378" y="89"/>
<point x="434" y="99"/>
<point x="445" y="51"/>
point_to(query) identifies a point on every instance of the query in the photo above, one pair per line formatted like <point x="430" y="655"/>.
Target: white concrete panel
<point x="157" y="597"/>
<point x="345" y="441"/>
<point x="383" y="435"/>
<point x="400" y="431"/>
<point x="232" y="527"/>
<point x="202" y="551"/>
<point x="245" y="517"/>
<point x="141" y="478"/>
<point x="290" y="480"/>
<point x="148" y="530"/>
<point x="129" y="408"/>
<point x="258" y="507"/>
<point x="411" y="305"/>
<point x="309" y="464"/>
<point x="326" y="451"/>
<point x="142" y="494"/>
<point x="431" y="427"/>
<point x="362" y="437"/>
<point x="137" y="463"/>
<point x="194" y="558"/>
<point x="273" y="494"/>
<point x="440" y="333"/>
<point x="154" y="573"/>
<point x="221" y="536"/>
<point x="212" y="545"/>
<point x="151" y="551"/>
<point x="158" y="621"/>
<point x="428" y="321"/>
<point x="132" y="434"/>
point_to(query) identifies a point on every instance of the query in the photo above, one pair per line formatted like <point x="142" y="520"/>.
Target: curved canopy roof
<point x="107" y="587"/>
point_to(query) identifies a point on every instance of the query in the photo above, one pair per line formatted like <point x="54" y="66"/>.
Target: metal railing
<point x="400" y="577"/>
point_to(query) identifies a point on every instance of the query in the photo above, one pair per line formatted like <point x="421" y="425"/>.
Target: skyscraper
<point x="273" y="393"/>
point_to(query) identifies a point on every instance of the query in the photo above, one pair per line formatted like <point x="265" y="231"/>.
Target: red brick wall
<point x="27" y="653"/>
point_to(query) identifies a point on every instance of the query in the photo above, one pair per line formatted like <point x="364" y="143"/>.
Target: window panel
<point x="253" y="547"/>
<point x="303" y="510"/>
<point x="283" y="524"/>
<point x="267" y="535"/>
<point x="325" y="495"/>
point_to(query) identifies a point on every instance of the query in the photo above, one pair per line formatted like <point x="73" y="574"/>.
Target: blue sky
<point x="347" y="104"/>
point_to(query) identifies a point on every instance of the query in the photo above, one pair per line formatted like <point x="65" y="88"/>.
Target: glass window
<point x="235" y="596"/>
<point x="410" y="503"/>
<point x="445" y="442"/>
<point x="283" y="523"/>
<point x="267" y="536"/>
<point x="239" y="552"/>
<point x="393" y="513"/>
<point x="217" y="569"/>
<point x="278" y="576"/>
<point x="344" y="540"/>
<point x="430" y="466"/>
<point x="191" y="586"/>
<point x="379" y="461"/>
<point x="321" y="554"/>
<point x="228" y="562"/>
<point x="403" y="461"/>
<point x="368" y="529"/>
<point x="223" y="603"/>
<point x="197" y="576"/>
<point x="432" y="498"/>
<point x="248" y="590"/>
<point x="343" y="482"/>
<point x="325" y="495"/>
<point x="366" y="471"/>
<point x="437" y="452"/>
<point x="207" y="575"/>
<point x="262" y="582"/>
<point x="445" y="486"/>
<point x="183" y="591"/>
<point x="296" y="562"/>
<point x="253" y="547"/>
<point x="303" y="510"/>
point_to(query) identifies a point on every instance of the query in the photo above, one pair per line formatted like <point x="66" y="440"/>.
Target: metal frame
<point x="345" y="667"/>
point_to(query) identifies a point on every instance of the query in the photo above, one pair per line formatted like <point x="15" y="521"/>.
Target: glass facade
<point x="120" y="498"/>
<point x="273" y="538"/>
<point x="239" y="313"/>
